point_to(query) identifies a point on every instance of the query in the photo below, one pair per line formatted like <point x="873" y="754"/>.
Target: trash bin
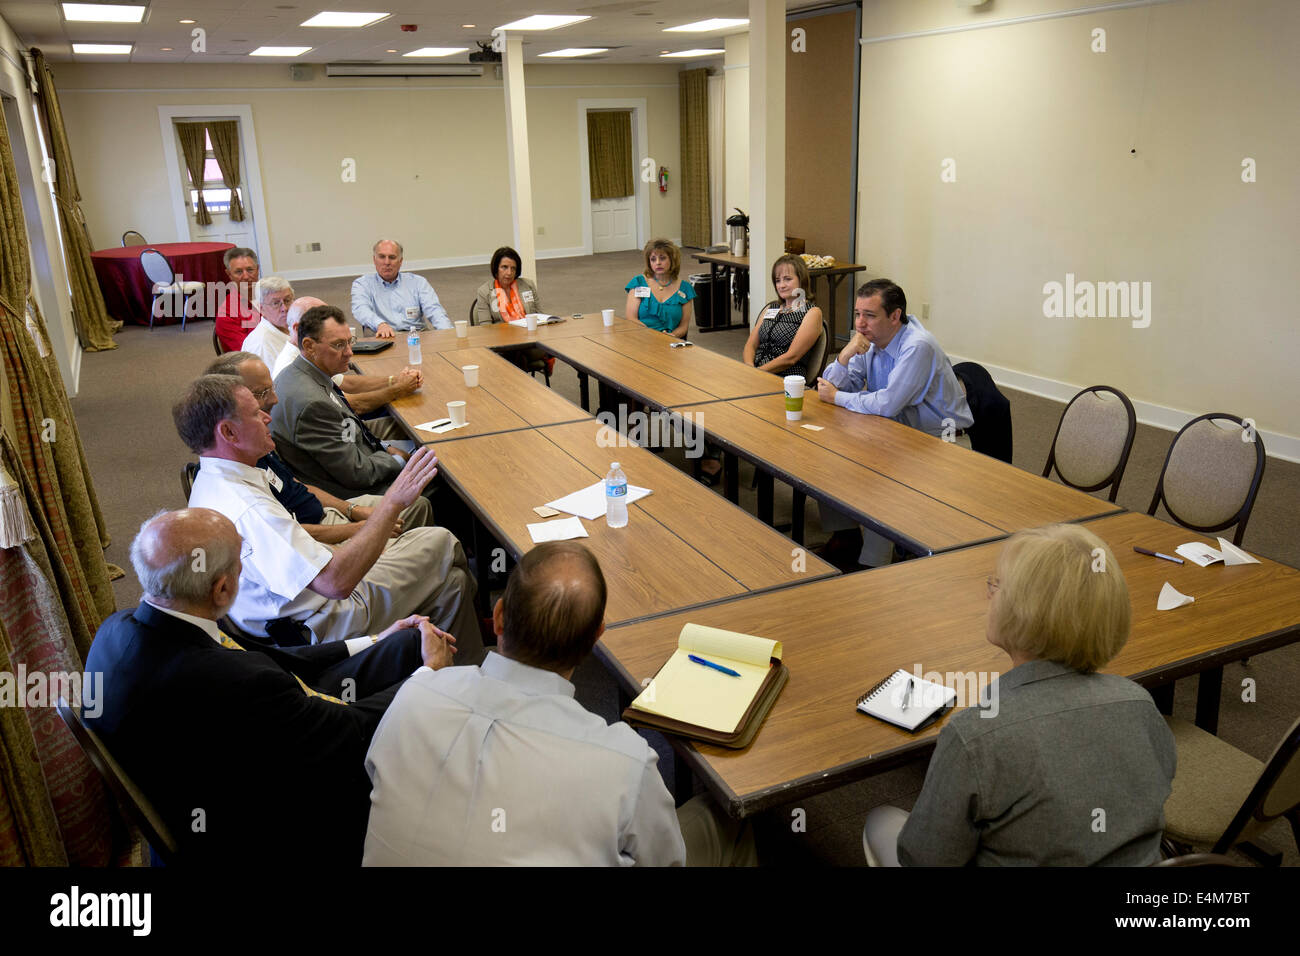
<point x="712" y="308"/>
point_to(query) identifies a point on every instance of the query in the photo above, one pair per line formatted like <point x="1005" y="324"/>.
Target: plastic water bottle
<point x="413" y="348"/>
<point x="616" y="497"/>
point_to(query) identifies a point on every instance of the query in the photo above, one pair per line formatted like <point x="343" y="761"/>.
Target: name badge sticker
<point x="412" y="312"/>
<point x="642" y="292"/>
<point x="770" y="314"/>
<point x="273" y="480"/>
<point x="528" y="296"/>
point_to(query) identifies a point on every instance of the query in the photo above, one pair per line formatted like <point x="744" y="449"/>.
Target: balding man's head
<point x="253" y="371"/>
<point x="297" y="311"/>
<point x="188" y="561"/>
<point x="553" y="611"/>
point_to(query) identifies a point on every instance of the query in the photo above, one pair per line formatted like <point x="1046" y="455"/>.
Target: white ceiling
<point x="632" y="29"/>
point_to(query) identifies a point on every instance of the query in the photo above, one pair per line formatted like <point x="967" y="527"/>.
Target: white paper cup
<point x="608" y="316"/>
<point x="794" y="386"/>
<point x="352" y="331"/>
<point x="462" y="328"/>
<point x="531" y="320"/>
<point x="457" y="412"/>
<point x="471" y="375"/>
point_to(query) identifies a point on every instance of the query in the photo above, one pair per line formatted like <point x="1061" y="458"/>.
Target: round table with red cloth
<point x="128" y="293"/>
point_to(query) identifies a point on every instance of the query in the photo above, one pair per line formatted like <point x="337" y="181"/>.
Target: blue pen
<point x="716" y="667"/>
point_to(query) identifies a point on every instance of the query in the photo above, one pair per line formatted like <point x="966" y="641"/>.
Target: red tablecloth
<point x="128" y="293"/>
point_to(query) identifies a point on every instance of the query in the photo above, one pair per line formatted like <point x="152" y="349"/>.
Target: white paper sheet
<point x="1171" y="597"/>
<point x="542" y="319"/>
<point x="1234" y="555"/>
<point x="589" y="503"/>
<point x="440" y="425"/>
<point x="562" y="530"/>
<point x="1199" y="553"/>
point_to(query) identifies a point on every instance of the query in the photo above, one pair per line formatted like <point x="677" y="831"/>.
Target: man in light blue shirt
<point x="390" y="300"/>
<point x="894" y="368"/>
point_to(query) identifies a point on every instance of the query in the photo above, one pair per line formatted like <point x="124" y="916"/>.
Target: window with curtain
<point x="215" y="193"/>
<point x="609" y="150"/>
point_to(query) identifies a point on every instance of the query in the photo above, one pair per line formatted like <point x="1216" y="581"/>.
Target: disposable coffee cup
<point x="794" y="386"/>
<point x="608" y="316"/>
<point x="531" y="320"/>
<point x="471" y="375"/>
<point x="462" y="328"/>
<point x="352" y="331"/>
<point x="457" y="412"/>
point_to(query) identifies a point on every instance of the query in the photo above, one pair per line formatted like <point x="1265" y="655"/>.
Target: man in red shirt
<point x="236" y="315"/>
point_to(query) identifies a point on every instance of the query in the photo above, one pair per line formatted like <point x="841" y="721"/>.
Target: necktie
<point x="373" y="443"/>
<point x="227" y="642"/>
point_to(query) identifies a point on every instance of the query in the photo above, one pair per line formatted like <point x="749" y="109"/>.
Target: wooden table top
<point x="999" y="494"/>
<point x="503" y="335"/>
<point x="843" y="635"/>
<point x="919" y="522"/>
<point x="683" y="545"/>
<point x="523" y="394"/>
<point x="631" y="375"/>
<point x="718" y="375"/>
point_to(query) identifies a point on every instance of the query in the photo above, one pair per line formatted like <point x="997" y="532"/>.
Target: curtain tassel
<point x="15" y="527"/>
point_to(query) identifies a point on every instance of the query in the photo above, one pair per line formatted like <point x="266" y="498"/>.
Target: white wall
<point x="1040" y="128"/>
<point x="736" y="76"/>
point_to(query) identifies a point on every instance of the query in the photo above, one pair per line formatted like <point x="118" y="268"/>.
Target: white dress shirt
<point x="267" y="342"/>
<point x="279" y="558"/>
<point x="498" y="764"/>
<point x="287" y="354"/>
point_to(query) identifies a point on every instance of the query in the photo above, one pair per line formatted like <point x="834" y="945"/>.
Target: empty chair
<point x="815" y="358"/>
<point x="133" y="238"/>
<point x="1211" y="474"/>
<point x="1093" y="440"/>
<point x="166" y="290"/>
<point x="991" y="433"/>
<point x="124" y="790"/>
<point x="216" y="343"/>
<point x="1222" y="797"/>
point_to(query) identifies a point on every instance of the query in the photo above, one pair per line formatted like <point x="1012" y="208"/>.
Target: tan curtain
<point x="609" y="149"/>
<point x="225" y="146"/>
<point x="195" y="151"/>
<point x="697" y="223"/>
<point x="89" y="315"/>
<point x="54" y="589"/>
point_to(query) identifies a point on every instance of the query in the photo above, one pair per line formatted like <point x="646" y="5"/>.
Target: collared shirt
<point x="280" y="559"/>
<point x="266" y="342"/>
<point x="1067" y="769"/>
<point x="234" y="321"/>
<point x="498" y="764"/>
<point x="405" y="303"/>
<point x="213" y="629"/>
<point x="287" y="354"/>
<point x="910" y="380"/>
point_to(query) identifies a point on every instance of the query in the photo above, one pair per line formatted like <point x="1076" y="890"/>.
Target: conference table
<point x="843" y="635"/>
<point x="128" y="293"/>
<point x="727" y="264"/>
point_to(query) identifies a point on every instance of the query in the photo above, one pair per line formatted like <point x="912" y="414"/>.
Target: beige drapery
<point x="609" y="151"/>
<point x="89" y="314"/>
<point x="693" y="110"/>
<point x="54" y="590"/>
<point x="225" y="146"/>
<point x="194" y="148"/>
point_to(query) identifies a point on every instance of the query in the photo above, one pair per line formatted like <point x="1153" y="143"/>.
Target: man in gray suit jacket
<point x="315" y="429"/>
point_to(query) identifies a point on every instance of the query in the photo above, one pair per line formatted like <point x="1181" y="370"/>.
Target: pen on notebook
<point x="716" y="667"/>
<point x="1157" y="554"/>
<point x="907" y="695"/>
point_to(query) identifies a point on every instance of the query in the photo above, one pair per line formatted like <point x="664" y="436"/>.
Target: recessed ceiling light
<point x="184" y="21"/>
<point x="115" y="49"/>
<point x="437" y="51"/>
<point x="468" y="26"/>
<point x="707" y="26"/>
<point x="280" y="51"/>
<point x="166" y="49"/>
<point x="543" y="21"/>
<point x="664" y="52"/>
<point x="102" y="13"/>
<point x="577" y="51"/>
<point x="331" y="18"/>
<point x="691" y="54"/>
<point x="390" y="51"/>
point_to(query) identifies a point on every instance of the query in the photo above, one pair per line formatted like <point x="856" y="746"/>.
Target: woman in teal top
<point x="658" y="298"/>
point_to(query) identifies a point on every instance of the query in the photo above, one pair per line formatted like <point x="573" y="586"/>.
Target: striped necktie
<point x="373" y="443"/>
<point x="227" y="642"/>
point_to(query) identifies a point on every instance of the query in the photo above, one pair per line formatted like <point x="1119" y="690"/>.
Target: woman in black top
<point x="788" y="327"/>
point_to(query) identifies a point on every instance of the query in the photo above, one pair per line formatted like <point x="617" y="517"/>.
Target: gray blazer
<point x="321" y="438"/>
<point x="483" y="313"/>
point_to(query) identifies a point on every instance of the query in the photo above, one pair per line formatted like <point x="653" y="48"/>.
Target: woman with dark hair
<point x="658" y="298"/>
<point x="507" y="296"/>
<point x="787" y="328"/>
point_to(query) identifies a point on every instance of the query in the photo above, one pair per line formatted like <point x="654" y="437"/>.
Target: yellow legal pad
<point x="694" y="694"/>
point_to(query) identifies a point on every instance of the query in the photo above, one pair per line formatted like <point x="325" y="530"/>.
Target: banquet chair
<point x="165" y="286"/>
<point x="1093" y="440"/>
<point x="133" y="238"/>
<point x="1211" y="474"/>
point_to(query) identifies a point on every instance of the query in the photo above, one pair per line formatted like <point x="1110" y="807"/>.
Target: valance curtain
<point x="693" y="113"/>
<point x="609" y="150"/>
<point x="225" y="146"/>
<point x="194" y="149"/>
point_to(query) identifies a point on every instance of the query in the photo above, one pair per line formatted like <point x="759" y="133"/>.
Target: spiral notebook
<point x="907" y="701"/>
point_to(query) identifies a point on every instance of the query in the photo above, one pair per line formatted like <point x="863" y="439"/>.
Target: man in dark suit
<point x="251" y="753"/>
<point x="316" y="431"/>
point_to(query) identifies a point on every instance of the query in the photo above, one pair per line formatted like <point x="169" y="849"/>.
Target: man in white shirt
<point x="358" y="588"/>
<point x="499" y="764"/>
<point x="272" y="297"/>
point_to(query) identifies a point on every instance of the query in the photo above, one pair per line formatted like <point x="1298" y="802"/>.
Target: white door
<point x="613" y="224"/>
<point x="217" y="198"/>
